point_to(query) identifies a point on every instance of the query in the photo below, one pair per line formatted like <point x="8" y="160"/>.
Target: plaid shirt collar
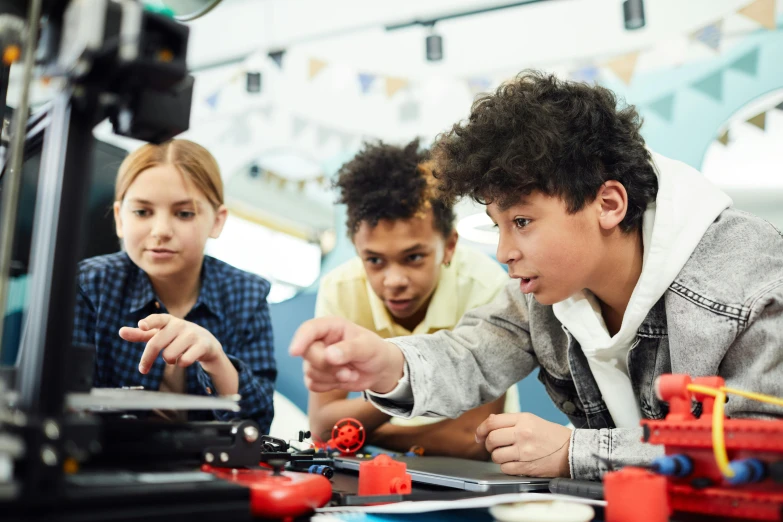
<point x="142" y="293"/>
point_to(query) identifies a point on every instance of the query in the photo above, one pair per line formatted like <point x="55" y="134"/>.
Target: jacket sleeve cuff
<point x="401" y="393"/>
<point x="244" y="390"/>
<point x="402" y="401"/>
<point x="589" y="454"/>
<point x="594" y="452"/>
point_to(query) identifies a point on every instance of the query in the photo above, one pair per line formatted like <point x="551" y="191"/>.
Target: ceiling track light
<point x="633" y="13"/>
<point x="434" y="46"/>
<point x="253" y="82"/>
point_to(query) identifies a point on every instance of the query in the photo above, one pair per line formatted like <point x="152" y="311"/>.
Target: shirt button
<point x="569" y="407"/>
<point x="157" y="305"/>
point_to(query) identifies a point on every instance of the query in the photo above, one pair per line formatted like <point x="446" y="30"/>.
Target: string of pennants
<point x="281" y="182"/>
<point x="239" y="130"/>
<point x="762" y="12"/>
<point x="623" y="68"/>
<point x="759" y="121"/>
<point x="710" y="85"/>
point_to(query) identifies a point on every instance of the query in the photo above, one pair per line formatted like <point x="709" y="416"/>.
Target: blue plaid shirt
<point x="114" y="292"/>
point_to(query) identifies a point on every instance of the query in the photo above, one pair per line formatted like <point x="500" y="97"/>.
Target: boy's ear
<point x="221" y="214"/>
<point x="451" y="245"/>
<point x="613" y="201"/>
<point x="118" y="219"/>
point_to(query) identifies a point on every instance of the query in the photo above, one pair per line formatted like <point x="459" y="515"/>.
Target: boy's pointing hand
<point x="339" y="355"/>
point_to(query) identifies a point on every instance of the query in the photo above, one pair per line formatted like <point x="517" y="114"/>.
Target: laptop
<point x="470" y="475"/>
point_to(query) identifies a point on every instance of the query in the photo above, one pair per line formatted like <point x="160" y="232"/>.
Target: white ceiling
<point x="352" y="32"/>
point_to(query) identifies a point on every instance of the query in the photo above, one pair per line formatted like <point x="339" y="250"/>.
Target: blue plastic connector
<point x="746" y="471"/>
<point x="673" y="465"/>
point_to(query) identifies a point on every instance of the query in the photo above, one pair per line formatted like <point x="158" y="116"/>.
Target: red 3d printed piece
<point x="703" y="489"/>
<point x="637" y="495"/>
<point x="276" y="494"/>
<point x="383" y="476"/>
<point x="348" y="436"/>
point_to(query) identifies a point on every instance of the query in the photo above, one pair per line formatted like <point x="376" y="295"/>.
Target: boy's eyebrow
<point x="523" y="202"/>
<point x="417" y="246"/>
<point x="369" y="252"/>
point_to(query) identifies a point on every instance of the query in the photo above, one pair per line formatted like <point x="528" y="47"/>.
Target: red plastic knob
<point x="383" y="476"/>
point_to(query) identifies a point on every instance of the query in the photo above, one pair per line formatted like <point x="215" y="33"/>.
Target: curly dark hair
<point x="538" y="133"/>
<point x="388" y="182"/>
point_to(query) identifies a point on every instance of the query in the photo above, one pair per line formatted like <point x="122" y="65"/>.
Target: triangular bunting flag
<point x="300" y="185"/>
<point x="409" y="111"/>
<point x="724" y="138"/>
<point x="266" y="112"/>
<point x="623" y="66"/>
<point x="759" y="120"/>
<point x="322" y="135"/>
<point x="747" y="63"/>
<point x="212" y="99"/>
<point x="237" y="75"/>
<point x="478" y="85"/>
<point x="316" y="66"/>
<point x="709" y="35"/>
<point x="761" y="11"/>
<point x="276" y="178"/>
<point x="663" y="107"/>
<point x="584" y="74"/>
<point x="366" y="80"/>
<point x="712" y="85"/>
<point x="394" y="84"/>
<point x="298" y="126"/>
<point x="277" y="57"/>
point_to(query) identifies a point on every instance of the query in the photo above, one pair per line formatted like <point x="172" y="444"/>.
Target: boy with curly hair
<point x="410" y="276"/>
<point x="628" y="265"/>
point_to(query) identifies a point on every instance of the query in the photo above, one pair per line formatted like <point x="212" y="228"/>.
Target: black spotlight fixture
<point x="255" y="170"/>
<point x="253" y="82"/>
<point x="633" y="12"/>
<point x="434" y="46"/>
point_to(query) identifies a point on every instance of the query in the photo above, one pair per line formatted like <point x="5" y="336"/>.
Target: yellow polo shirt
<point x="472" y="280"/>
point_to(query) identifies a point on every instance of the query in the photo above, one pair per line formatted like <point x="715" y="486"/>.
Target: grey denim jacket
<point x="722" y="315"/>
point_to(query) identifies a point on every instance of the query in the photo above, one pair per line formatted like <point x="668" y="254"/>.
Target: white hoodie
<point x="686" y="205"/>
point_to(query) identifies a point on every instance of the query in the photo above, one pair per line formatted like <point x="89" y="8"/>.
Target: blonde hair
<point x="191" y="159"/>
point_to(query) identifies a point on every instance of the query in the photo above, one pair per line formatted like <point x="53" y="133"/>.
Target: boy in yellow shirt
<point x="410" y="277"/>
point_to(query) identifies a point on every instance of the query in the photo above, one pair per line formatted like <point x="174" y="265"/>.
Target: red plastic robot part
<point x="277" y="494"/>
<point x="348" y="436"/>
<point x="383" y="476"/>
<point x="637" y="495"/>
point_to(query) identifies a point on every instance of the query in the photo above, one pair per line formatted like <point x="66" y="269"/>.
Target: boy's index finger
<point x="149" y="355"/>
<point x="153" y="321"/>
<point x="136" y="335"/>
<point x="311" y="331"/>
